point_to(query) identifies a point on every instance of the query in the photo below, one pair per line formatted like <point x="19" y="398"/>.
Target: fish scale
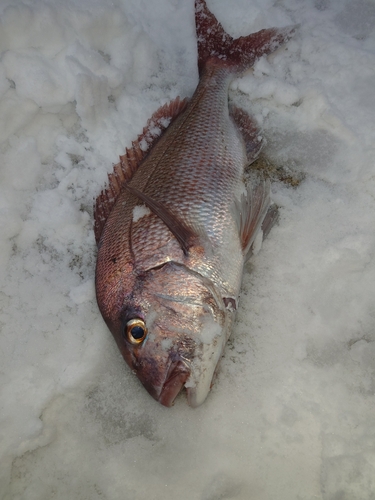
<point x="175" y="225"/>
<point x="200" y="191"/>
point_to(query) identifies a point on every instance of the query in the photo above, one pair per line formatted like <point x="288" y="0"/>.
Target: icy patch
<point x="166" y="344"/>
<point x="83" y="293"/>
<point x="21" y="164"/>
<point x="43" y="81"/>
<point x="357" y="18"/>
<point x="140" y="211"/>
<point x="210" y="331"/>
<point x="258" y="241"/>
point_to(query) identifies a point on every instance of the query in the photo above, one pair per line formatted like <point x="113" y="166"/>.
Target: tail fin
<point x="240" y="53"/>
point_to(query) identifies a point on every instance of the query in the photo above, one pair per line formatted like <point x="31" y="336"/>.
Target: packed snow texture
<point x="291" y="414"/>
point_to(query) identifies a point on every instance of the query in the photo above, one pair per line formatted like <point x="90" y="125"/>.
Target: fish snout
<point x="163" y="388"/>
<point x="177" y="376"/>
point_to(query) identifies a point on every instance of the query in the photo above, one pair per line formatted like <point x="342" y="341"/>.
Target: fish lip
<point x="177" y="375"/>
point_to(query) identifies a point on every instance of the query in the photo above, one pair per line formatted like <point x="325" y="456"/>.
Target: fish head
<point x="171" y="330"/>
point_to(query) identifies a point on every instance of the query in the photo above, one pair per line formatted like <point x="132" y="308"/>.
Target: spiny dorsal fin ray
<point x="130" y="161"/>
<point x="250" y="212"/>
<point x="183" y="234"/>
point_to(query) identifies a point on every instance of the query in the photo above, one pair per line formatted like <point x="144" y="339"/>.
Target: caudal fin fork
<point x="240" y="53"/>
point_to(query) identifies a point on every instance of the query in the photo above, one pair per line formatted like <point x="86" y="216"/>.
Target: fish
<point x="175" y="224"/>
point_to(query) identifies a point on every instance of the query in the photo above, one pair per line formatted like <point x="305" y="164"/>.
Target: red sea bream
<point x="176" y="223"/>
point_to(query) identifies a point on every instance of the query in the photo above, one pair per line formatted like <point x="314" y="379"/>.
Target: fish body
<point x="176" y="223"/>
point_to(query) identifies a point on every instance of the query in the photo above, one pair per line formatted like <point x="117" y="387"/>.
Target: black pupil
<point x="137" y="332"/>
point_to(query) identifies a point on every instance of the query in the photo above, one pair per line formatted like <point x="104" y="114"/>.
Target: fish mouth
<point x="177" y="376"/>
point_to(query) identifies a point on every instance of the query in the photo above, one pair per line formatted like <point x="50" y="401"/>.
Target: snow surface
<point x="291" y="415"/>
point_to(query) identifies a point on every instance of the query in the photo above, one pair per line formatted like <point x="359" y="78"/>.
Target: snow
<point x="291" y="414"/>
<point x="140" y="211"/>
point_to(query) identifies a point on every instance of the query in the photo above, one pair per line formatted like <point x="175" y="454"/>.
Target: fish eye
<point x="136" y="331"/>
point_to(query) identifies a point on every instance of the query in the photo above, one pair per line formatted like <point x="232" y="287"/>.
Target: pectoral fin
<point x="183" y="234"/>
<point x="251" y="211"/>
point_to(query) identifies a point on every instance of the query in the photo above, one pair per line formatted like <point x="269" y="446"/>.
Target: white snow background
<point x="292" y="412"/>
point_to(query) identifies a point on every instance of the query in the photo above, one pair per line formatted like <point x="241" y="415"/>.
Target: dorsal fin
<point x="183" y="234"/>
<point x="130" y="161"/>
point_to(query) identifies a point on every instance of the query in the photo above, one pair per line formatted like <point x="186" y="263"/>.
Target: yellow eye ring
<point x="136" y="331"/>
